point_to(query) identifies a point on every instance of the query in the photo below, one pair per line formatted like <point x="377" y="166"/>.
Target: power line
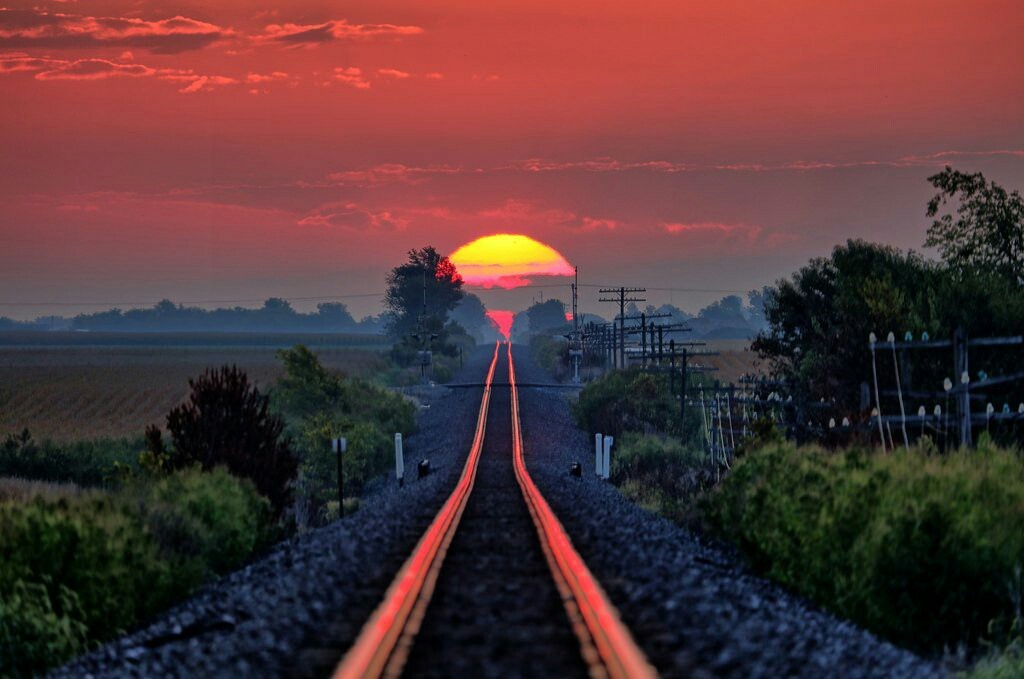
<point x="356" y="295"/>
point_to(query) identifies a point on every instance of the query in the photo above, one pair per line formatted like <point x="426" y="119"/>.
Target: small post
<point x="340" y="446"/>
<point x="399" y="461"/>
<point x="598" y="452"/>
<point x="606" y="463"/>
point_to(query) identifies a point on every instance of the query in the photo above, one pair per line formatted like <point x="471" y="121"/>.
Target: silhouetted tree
<point x="549" y="315"/>
<point x="404" y="299"/>
<point x="226" y="422"/>
<point x="988" y="230"/>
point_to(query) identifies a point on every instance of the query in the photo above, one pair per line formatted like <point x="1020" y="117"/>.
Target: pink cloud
<point x="434" y="75"/>
<point x="94" y="69"/>
<point x="37" y="28"/>
<point x="266" y="77"/>
<point x="393" y="73"/>
<point x="353" y="216"/>
<point x="339" y="29"/>
<point x="352" y="76"/>
<point x="205" y="83"/>
<point x="390" y="173"/>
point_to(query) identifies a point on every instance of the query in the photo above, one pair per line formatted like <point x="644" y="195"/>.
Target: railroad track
<point x="494" y="586"/>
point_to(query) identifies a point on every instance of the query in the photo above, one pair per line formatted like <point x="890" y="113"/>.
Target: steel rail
<point x="384" y="642"/>
<point x="607" y="645"/>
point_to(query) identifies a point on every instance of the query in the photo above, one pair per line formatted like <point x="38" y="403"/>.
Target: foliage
<point x="820" y="320"/>
<point x="78" y="571"/>
<point x="633" y="401"/>
<point x="276" y="315"/>
<point x="660" y="473"/>
<point x="548" y="316"/>
<point x="227" y="421"/>
<point x="319" y="405"/>
<point x="551" y="354"/>
<point x="471" y="314"/>
<point x="917" y="547"/>
<point x="426" y="284"/>
<point x="86" y="463"/>
<point x="988" y="230"/>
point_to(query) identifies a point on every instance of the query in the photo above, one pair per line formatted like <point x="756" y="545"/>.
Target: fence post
<point x="598" y="453"/>
<point x="963" y="395"/>
<point x="399" y="461"/>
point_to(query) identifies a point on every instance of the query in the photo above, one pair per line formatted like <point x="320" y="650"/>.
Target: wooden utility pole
<point x="623" y="297"/>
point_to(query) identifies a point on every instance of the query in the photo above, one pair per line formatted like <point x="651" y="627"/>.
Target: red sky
<point x="230" y="150"/>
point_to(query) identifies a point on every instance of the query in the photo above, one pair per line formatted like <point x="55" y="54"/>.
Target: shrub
<point x="318" y="406"/>
<point x="918" y="548"/>
<point x="78" y="571"/>
<point x="211" y="522"/>
<point x="659" y="473"/>
<point x="32" y="630"/>
<point x="633" y="401"/>
<point x="227" y="421"/>
<point x="86" y="463"/>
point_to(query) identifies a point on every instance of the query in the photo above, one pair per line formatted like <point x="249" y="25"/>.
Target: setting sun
<point x="508" y="261"/>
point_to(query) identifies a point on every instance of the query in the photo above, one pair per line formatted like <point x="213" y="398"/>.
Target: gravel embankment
<point x="295" y="611"/>
<point x="693" y="609"/>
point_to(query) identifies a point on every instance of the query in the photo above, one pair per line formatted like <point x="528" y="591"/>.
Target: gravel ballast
<point x="693" y="609"/>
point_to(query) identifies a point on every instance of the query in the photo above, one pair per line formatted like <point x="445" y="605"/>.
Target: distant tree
<point x="471" y="314"/>
<point x="425" y="270"/>
<point x="726" y="310"/>
<point x="226" y="422"/>
<point x="549" y="315"/>
<point x="987" y="231"/>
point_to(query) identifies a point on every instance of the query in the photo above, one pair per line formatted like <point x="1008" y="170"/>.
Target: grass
<point x="89" y="392"/>
<point x="13" y="489"/>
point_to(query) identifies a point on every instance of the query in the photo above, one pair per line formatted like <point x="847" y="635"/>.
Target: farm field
<point x="734" y="360"/>
<point x="74" y="392"/>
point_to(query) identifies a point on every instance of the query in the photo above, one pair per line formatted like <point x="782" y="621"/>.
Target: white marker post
<point x="399" y="461"/>
<point x="598" y="455"/>
<point x="340" y="446"/>
<point x="606" y="463"/>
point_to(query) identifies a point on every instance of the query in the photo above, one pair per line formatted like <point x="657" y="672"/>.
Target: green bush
<point x="660" y="474"/>
<point x="227" y="422"/>
<point x="633" y="401"/>
<point x="550" y="354"/>
<point x="33" y="630"/>
<point x="74" y="572"/>
<point x="370" y="453"/>
<point x="211" y="522"/>
<point x="87" y="463"/>
<point x="919" y="548"/>
<point x="318" y="406"/>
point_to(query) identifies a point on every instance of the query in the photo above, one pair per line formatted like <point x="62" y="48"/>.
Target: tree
<point x="426" y="285"/>
<point x="549" y="315"/>
<point x="226" y="422"/>
<point x="820" y="319"/>
<point x="471" y="314"/>
<point x="987" y="231"/>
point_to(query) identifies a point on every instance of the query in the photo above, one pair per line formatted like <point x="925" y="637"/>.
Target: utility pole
<point x="623" y="297"/>
<point x="576" y="340"/>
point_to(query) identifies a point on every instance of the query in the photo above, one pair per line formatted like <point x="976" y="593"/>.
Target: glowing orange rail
<point x="606" y="643"/>
<point x="384" y="643"/>
<point x="385" y="640"/>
